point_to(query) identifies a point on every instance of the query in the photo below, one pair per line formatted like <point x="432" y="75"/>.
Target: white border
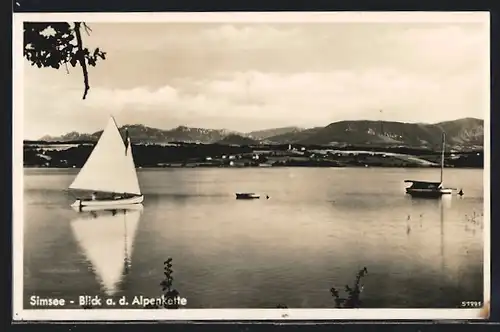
<point x="20" y="314"/>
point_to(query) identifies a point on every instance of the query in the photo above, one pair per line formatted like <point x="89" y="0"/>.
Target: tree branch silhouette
<point x="53" y="44"/>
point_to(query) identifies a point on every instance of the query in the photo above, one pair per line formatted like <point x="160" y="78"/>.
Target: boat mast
<point x="442" y="157"/>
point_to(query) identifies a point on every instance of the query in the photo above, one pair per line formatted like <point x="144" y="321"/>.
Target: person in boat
<point x="94" y="196"/>
<point x="119" y="196"/>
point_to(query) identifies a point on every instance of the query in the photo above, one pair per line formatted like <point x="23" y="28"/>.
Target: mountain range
<point x="466" y="133"/>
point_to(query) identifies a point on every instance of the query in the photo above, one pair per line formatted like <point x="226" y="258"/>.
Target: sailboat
<point x="106" y="239"/>
<point x="109" y="173"/>
<point x="428" y="189"/>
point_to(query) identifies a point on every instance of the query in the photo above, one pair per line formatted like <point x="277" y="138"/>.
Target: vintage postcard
<point x="251" y="166"/>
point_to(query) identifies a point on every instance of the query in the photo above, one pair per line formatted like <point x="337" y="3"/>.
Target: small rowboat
<point x="247" y="196"/>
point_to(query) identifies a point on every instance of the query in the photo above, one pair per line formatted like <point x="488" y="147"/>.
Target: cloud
<point x="137" y="97"/>
<point x="153" y="54"/>
<point x="247" y="77"/>
<point x="154" y="37"/>
<point x="445" y="49"/>
<point x="246" y="100"/>
<point x="259" y="36"/>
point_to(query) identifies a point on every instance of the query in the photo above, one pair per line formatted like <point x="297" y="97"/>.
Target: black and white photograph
<point x="251" y="166"/>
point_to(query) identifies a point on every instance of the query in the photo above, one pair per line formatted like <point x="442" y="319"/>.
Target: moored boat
<point x="247" y="196"/>
<point x="428" y="189"/>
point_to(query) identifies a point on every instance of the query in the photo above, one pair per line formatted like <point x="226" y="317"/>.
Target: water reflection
<point x="442" y="203"/>
<point x="106" y="238"/>
<point x="290" y="249"/>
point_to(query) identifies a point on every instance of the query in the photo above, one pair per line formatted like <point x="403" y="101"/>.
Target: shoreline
<point x="189" y="156"/>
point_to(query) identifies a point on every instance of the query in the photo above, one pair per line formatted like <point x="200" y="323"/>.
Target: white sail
<point x="110" y="167"/>
<point x="107" y="242"/>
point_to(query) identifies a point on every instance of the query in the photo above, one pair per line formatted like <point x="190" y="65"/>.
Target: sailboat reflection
<point x="442" y="205"/>
<point x="106" y="238"/>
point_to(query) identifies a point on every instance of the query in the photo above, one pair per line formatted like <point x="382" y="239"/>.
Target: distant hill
<point x="294" y="136"/>
<point x="267" y="133"/>
<point x="179" y="134"/>
<point x="144" y="134"/>
<point x="465" y="132"/>
<point x="70" y="137"/>
<point x="237" y="140"/>
<point x="462" y="134"/>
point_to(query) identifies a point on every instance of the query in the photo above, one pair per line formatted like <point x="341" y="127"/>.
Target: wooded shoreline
<point x="71" y="155"/>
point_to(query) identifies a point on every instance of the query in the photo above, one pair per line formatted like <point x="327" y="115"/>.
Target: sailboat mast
<point x="442" y="157"/>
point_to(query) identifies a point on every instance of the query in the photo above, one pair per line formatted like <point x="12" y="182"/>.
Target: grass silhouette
<point x="351" y="300"/>
<point x="169" y="292"/>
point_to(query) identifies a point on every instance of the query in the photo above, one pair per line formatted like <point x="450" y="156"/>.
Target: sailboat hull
<point x="108" y="203"/>
<point x="125" y="207"/>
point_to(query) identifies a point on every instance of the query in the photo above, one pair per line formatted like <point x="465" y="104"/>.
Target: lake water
<point x="319" y="227"/>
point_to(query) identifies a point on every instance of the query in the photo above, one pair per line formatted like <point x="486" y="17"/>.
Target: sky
<point x="252" y="76"/>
